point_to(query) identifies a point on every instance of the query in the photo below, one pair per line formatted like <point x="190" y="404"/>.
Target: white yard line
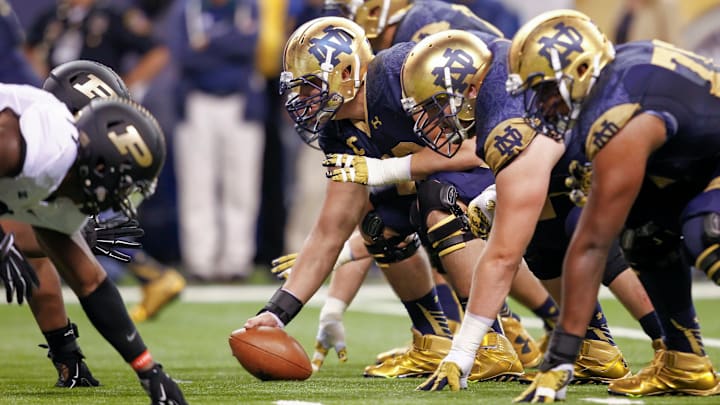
<point x="373" y="298"/>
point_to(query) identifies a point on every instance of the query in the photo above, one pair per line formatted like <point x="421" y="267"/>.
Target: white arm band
<point x="388" y="171"/>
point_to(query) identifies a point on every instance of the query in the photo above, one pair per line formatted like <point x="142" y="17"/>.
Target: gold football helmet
<point x="440" y="79"/>
<point x="324" y="65"/>
<point x="559" y="55"/>
<point x="372" y="15"/>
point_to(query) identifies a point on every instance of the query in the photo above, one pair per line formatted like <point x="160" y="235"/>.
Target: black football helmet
<point x="78" y="82"/>
<point x="120" y="154"/>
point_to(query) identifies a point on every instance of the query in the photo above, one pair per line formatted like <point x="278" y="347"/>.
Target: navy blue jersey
<point x="503" y="133"/>
<point x="680" y="87"/>
<point x="431" y="16"/>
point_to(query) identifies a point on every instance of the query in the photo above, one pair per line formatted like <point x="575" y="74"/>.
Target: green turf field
<point x="190" y="339"/>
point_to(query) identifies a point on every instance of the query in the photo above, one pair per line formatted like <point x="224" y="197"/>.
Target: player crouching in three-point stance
<point x="645" y="115"/>
<point x="55" y="172"/>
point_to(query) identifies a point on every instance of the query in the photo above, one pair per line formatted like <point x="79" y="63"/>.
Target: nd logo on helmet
<point x="460" y="64"/>
<point x="565" y="41"/>
<point x="335" y="42"/>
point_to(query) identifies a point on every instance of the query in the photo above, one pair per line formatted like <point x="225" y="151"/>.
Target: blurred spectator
<point x="219" y="140"/>
<point x="648" y="19"/>
<point x="14" y="68"/>
<point x="496" y="12"/>
<point x="96" y="30"/>
<point x="278" y="18"/>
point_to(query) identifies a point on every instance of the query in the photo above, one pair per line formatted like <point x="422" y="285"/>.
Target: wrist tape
<point x="284" y="305"/>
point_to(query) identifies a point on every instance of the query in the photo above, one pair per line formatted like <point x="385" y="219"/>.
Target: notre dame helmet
<point x="120" y="154"/>
<point x="77" y="82"/>
<point x="560" y="52"/>
<point x="436" y="79"/>
<point x="373" y="15"/>
<point x="324" y="65"/>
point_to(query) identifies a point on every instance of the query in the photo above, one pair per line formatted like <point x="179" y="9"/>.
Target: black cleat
<point x="72" y="370"/>
<point x="160" y="387"/>
<point x="73" y="374"/>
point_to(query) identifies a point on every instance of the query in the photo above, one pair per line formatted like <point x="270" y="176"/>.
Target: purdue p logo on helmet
<point x="120" y="154"/>
<point x="78" y="82"/>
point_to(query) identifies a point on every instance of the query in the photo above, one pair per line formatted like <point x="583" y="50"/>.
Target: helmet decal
<point x="568" y="39"/>
<point x="130" y="142"/>
<point x="460" y="64"/>
<point x="327" y="48"/>
<point x="94" y="87"/>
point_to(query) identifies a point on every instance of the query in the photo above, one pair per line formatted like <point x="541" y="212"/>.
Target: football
<point x="270" y="354"/>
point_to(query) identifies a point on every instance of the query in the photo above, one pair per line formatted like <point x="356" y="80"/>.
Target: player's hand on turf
<point x="331" y="335"/>
<point x="263" y="319"/>
<point x="481" y="212"/>
<point x="16" y="273"/>
<point x="548" y="386"/>
<point x="105" y="238"/>
<point x="346" y="168"/>
<point x="282" y="266"/>
<point x="448" y="374"/>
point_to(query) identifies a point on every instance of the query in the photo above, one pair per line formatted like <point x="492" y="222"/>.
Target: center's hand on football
<point x="262" y="319"/>
<point x="447" y="374"/>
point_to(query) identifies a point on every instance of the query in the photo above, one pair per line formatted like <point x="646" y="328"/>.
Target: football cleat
<point x="72" y="370"/>
<point x="670" y="372"/>
<point x="496" y="360"/>
<point x="421" y="360"/>
<point x="544" y="342"/>
<point x="161" y="389"/>
<point x="548" y="386"/>
<point x="397" y="351"/>
<point x="597" y="363"/>
<point x="157" y="293"/>
<point x="527" y="349"/>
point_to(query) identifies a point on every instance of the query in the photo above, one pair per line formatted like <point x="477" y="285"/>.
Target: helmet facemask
<point x="444" y="119"/>
<point x="310" y="104"/>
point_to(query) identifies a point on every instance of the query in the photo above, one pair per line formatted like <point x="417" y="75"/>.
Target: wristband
<point x="284" y="305"/>
<point x="388" y="171"/>
<point x="563" y="349"/>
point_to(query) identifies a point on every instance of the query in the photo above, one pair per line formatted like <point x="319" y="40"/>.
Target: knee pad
<point x="614" y="265"/>
<point x="650" y="247"/>
<point x="451" y="233"/>
<point x="702" y="242"/>
<point x="386" y="250"/>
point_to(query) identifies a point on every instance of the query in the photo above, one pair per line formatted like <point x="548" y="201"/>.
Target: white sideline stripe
<point x="613" y="401"/>
<point x="375" y="298"/>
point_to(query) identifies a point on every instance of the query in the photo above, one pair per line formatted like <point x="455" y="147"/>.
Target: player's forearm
<point x="427" y="162"/>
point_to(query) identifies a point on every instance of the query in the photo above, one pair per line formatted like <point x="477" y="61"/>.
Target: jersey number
<point x="670" y="57"/>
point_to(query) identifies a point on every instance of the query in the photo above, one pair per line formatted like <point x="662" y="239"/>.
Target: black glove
<point x="15" y="271"/>
<point x="104" y="237"/>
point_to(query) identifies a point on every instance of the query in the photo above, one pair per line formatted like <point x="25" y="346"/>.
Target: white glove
<point x="331" y="333"/>
<point x="481" y="212"/>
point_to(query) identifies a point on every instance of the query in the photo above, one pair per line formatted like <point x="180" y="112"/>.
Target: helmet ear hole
<point x="581" y="69"/>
